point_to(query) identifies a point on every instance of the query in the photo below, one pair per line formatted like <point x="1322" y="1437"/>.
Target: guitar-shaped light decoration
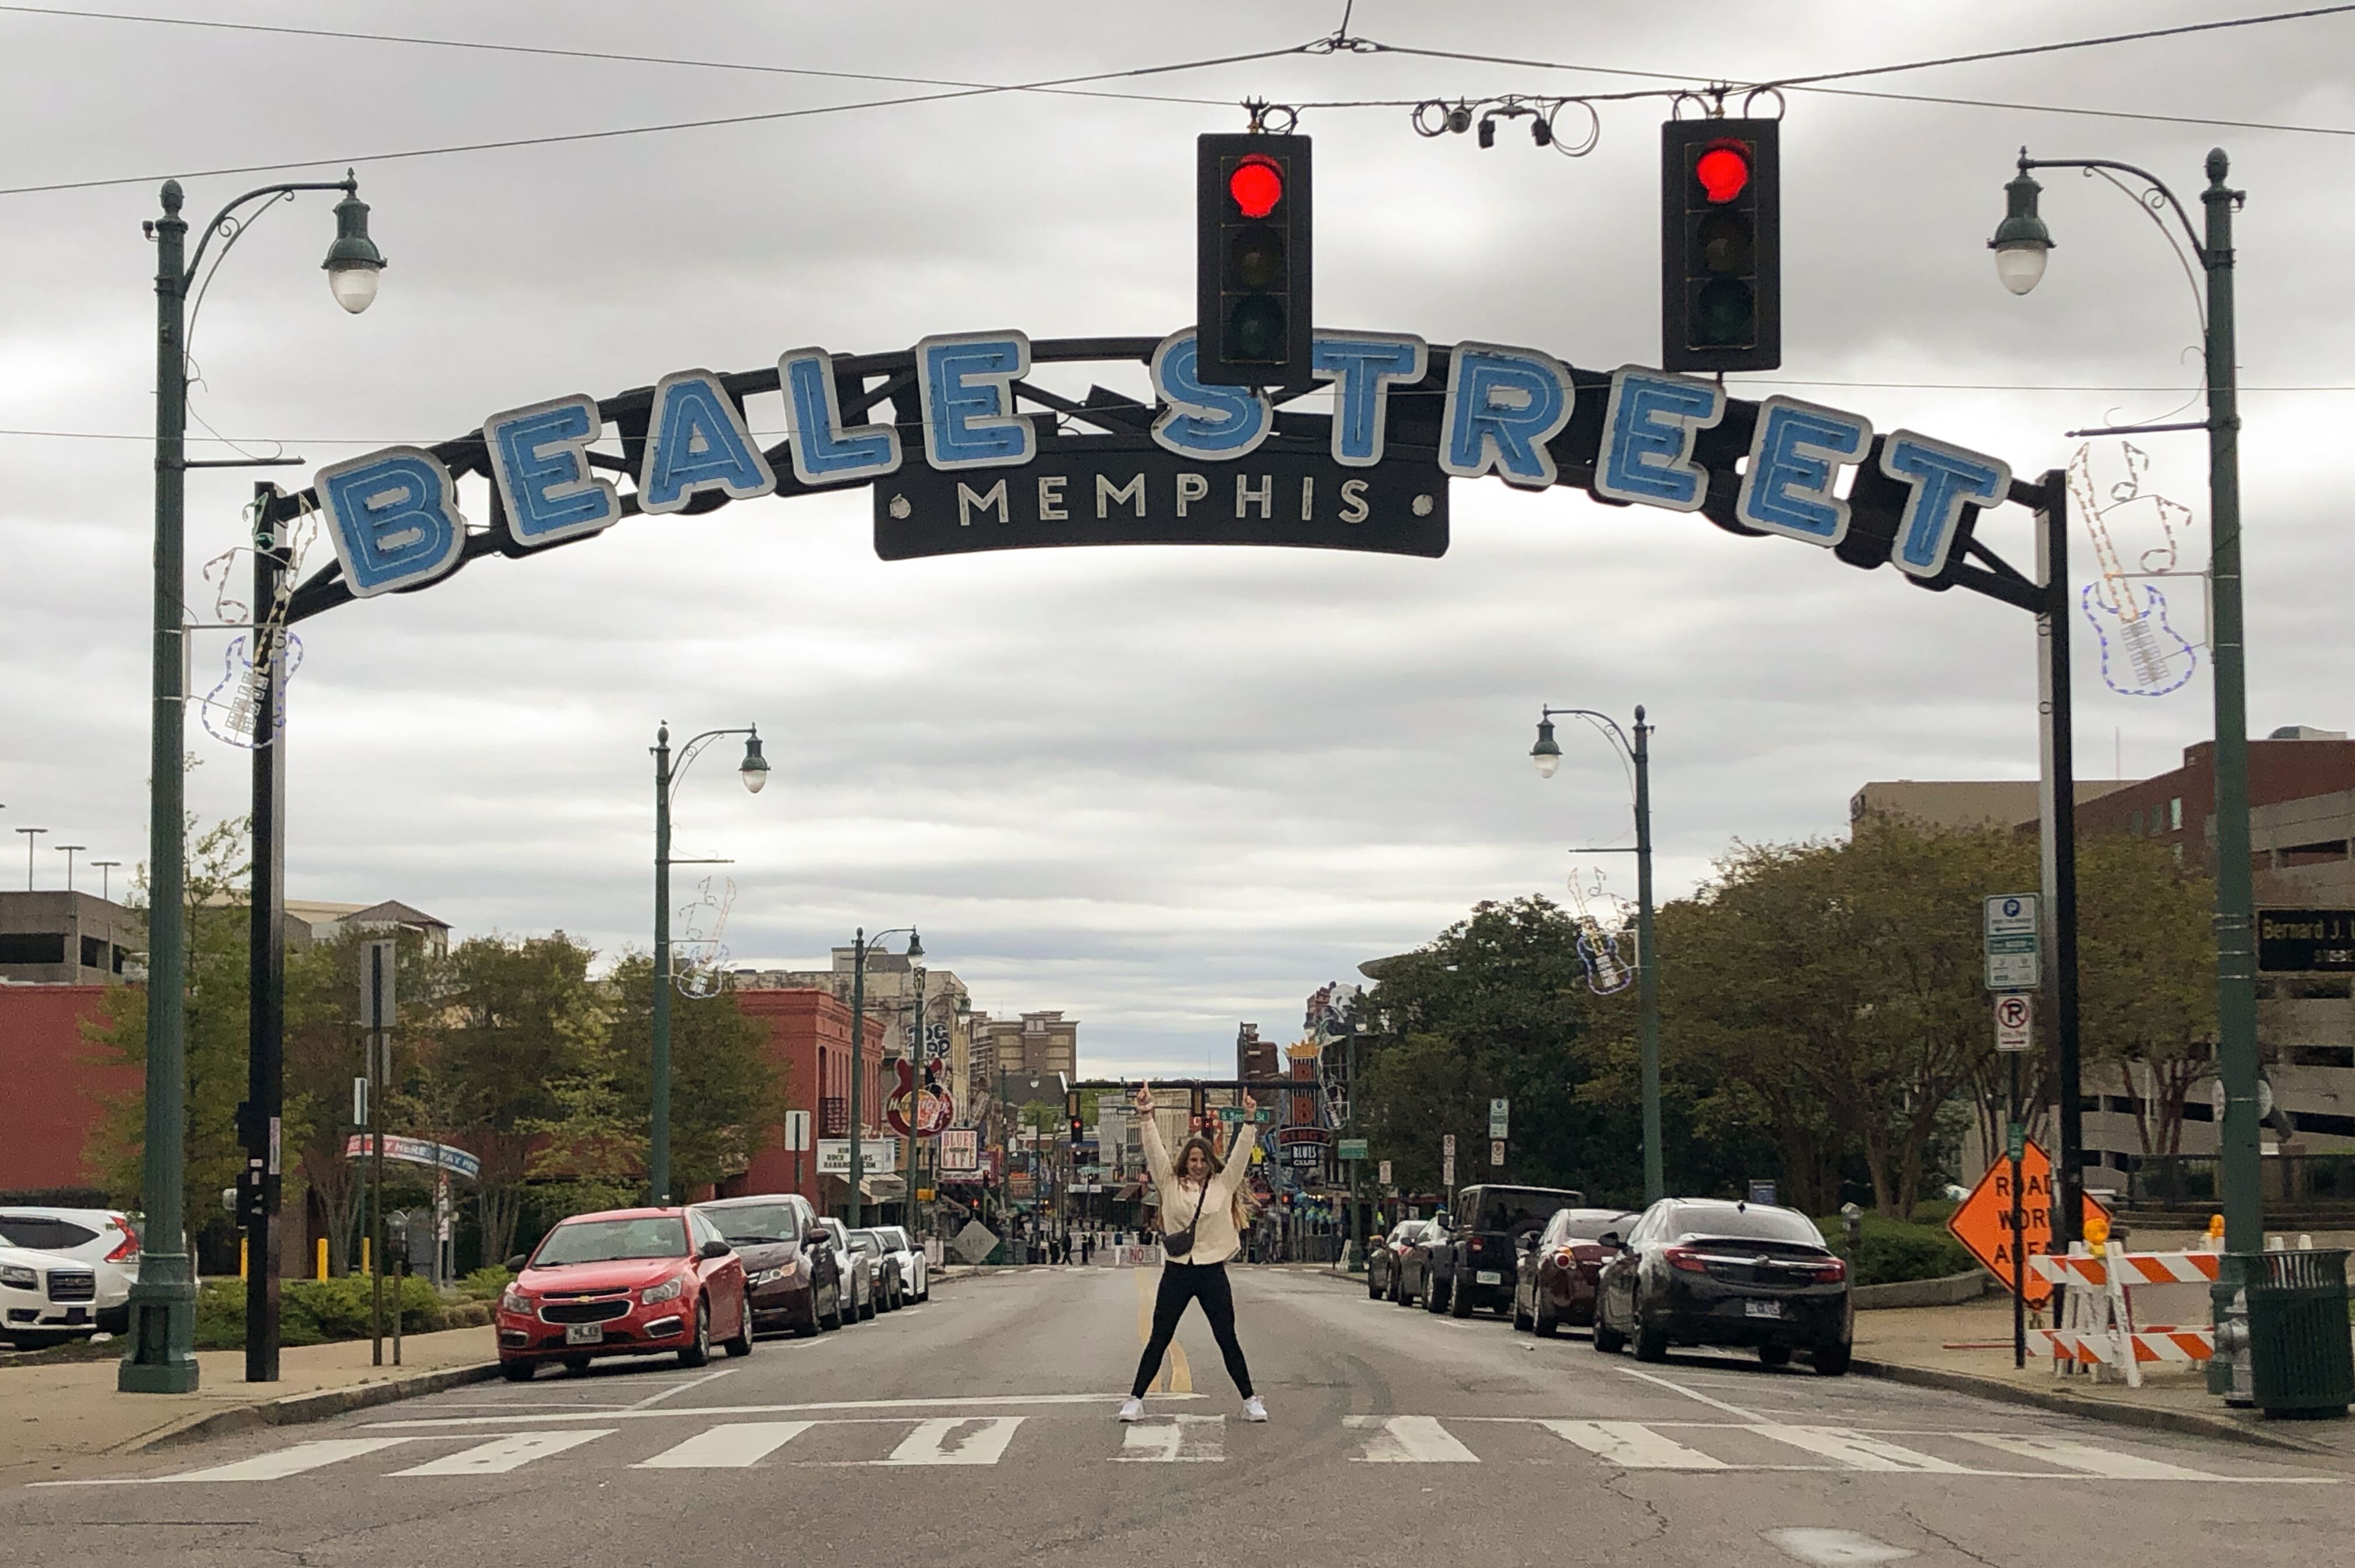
<point x="1598" y="947"/>
<point x="2142" y="653"/>
<point x="229" y="710"/>
<point x="696" y="956"/>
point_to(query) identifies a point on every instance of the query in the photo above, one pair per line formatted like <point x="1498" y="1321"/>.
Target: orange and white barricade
<point x="2101" y="1328"/>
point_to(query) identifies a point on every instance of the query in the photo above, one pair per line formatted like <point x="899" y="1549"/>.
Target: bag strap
<point x="1197" y="1219"/>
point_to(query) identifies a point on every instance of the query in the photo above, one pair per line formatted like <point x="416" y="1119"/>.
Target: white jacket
<point x="1215" y="1239"/>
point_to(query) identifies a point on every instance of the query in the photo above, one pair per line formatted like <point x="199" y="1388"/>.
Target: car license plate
<point x="584" y="1333"/>
<point x="1762" y="1309"/>
<point x="1488" y="1277"/>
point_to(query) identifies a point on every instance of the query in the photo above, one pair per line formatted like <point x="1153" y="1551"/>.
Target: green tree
<point x="215" y="1035"/>
<point x="726" y="1093"/>
<point x="2146" y="975"/>
<point x="520" y="1019"/>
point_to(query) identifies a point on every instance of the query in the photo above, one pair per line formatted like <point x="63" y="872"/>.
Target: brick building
<point x="809" y="1038"/>
<point x="54" y="1080"/>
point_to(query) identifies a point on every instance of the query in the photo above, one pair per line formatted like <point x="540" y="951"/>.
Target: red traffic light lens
<point x="1257" y="184"/>
<point x="1723" y="172"/>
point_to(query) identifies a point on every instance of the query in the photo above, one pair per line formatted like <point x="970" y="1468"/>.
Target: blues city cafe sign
<point x="964" y="449"/>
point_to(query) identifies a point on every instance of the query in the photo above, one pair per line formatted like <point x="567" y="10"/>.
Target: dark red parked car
<point x="626" y="1282"/>
<point x="1560" y="1267"/>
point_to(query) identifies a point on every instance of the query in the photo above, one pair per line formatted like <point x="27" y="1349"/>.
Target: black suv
<point x="1475" y="1263"/>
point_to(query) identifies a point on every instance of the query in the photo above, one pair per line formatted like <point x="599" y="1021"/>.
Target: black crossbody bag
<point x="1177" y="1247"/>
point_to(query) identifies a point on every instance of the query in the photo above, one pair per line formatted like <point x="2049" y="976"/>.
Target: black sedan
<point x="792" y="1277"/>
<point x="1697" y="1270"/>
<point x="1385" y="1260"/>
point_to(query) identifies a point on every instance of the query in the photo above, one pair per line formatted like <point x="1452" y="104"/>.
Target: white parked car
<point x="44" y="1298"/>
<point x="915" y="1272"/>
<point x="101" y="1239"/>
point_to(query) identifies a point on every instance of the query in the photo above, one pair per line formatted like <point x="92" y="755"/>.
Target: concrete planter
<point x="1948" y="1291"/>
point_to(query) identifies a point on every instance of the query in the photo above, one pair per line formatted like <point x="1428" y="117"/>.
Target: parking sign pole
<point x="2019" y="1224"/>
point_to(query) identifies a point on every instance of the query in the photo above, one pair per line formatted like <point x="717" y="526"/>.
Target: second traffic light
<point x="1720" y="245"/>
<point x="1252" y="210"/>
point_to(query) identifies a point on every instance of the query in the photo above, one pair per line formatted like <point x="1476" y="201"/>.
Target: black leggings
<point x="1182" y="1283"/>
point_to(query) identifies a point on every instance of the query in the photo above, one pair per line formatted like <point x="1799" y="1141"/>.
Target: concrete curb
<point x="295" y="1409"/>
<point x="2150" y="1418"/>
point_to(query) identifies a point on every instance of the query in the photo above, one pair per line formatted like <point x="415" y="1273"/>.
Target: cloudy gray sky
<point x="1162" y="790"/>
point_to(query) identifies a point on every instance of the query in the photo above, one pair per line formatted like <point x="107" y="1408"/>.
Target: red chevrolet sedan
<point x="1561" y="1268"/>
<point x="628" y="1281"/>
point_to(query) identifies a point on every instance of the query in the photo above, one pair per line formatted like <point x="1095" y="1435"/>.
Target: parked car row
<point x="637" y="1281"/>
<point x="65" y="1273"/>
<point x="1686" y="1271"/>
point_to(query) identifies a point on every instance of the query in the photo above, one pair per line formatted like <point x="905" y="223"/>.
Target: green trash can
<point x="2300" y="1359"/>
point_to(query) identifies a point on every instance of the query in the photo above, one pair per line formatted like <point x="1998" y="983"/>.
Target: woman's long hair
<point x="1240" y="1209"/>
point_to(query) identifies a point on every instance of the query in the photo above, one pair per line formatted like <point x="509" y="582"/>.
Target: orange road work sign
<point x="1982" y="1223"/>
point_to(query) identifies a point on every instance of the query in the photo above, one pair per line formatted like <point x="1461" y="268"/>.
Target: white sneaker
<point x="1254" y="1409"/>
<point x="1134" y="1410"/>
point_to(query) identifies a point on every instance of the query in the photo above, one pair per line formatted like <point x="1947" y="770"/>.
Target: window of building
<point x="2322" y="1055"/>
<point x="2175" y="815"/>
<point x="2134" y="824"/>
<point x="32" y="947"/>
<point x="93" y="953"/>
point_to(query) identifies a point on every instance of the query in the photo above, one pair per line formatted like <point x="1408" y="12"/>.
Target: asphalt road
<point x="979" y="1430"/>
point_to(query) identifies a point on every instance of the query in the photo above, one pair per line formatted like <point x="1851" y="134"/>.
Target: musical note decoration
<point x="697" y="956"/>
<point x="1598" y="944"/>
<point x="2142" y="653"/>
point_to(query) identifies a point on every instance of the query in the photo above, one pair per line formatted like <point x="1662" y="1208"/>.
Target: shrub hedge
<point x="314" y="1311"/>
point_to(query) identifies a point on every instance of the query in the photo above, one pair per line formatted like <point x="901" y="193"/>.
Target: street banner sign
<point x="1499" y="1118"/>
<point x="797" y="1131"/>
<point x="2015" y="957"/>
<point x="418" y="1151"/>
<point x="2015" y="1020"/>
<point x="1496" y="1151"/>
<point x="1983" y="1222"/>
<point x="2306" y="941"/>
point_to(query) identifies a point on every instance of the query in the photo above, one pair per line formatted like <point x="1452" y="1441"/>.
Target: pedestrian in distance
<point x="1204" y="1211"/>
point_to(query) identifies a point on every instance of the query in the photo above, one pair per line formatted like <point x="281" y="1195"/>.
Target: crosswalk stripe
<point x="1409" y="1440"/>
<point x="1857" y="1450"/>
<point x="1173" y="1440"/>
<point x="503" y="1453"/>
<point x="737" y="1445"/>
<point x="2087" y="1459"/>
<point x="1632" y="1446"/>
<point x="930" y="1444"/>
<point x="292" y="1461"/>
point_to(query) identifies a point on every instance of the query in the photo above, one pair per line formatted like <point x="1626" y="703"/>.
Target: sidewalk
<point x="72" y="1409"/>
<point x="1912" y="1345"/>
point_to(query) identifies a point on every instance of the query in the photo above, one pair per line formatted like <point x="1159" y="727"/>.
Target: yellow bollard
<point x="368" y="1260"/>
<point x="323" y="1257"/>
<point x="242" y="1242"/>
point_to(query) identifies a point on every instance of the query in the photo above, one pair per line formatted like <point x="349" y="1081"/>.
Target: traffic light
<point x="1252" y="213"/>
<point x="1072" y="1109"/>
<point x="1720" y="245"/>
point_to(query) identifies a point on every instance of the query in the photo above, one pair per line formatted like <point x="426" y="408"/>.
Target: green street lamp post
<point x="163" y="1306"/>
<point x="2023" y="244"/>
<point x="754" y="771"/>
<point x="860" y="945"/>
<point x="1547" y="755"/>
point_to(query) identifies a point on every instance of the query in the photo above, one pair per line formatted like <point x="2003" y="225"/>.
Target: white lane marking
<point x="654" y="1399"/>
<point x="1174" y="1440"/>
<point x="930" y="1442"/>
<point x="1103" y="1399"/>
<point x="1632" y="1446"/>
<point x="1860" y="1451"/>
<point x="1832" y="1548"/>
<point x="2087" y="1459"/>
<point x="1692" y="1394"/>
<point x="737" y="1445"/>
<point x="291" y="1461"/>
<point x="503" y="1453"/>
<point x="1409" y="1440"/>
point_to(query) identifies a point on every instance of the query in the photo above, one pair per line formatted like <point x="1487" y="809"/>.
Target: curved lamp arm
<point x="2157" y="187"/>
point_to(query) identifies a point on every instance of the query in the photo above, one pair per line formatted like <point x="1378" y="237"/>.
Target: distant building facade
<point x="1966" y="802"/>
<point x="51" y="938"/>
<point x="890" y="996"/>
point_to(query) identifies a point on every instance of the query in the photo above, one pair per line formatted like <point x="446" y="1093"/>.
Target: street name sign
<point x="2015" y="1021"/>
<point x="1353" y="1148"/>
<point x="1983" y="1222"/>
<point x="2306" y="941"/>
<point x="2015" y="960"/>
